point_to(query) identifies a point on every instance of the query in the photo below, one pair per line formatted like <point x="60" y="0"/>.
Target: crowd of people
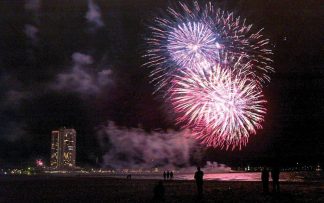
<point x="275" y="179"/>
<point x="167" y="175"/>
<point x="159" y="189"/>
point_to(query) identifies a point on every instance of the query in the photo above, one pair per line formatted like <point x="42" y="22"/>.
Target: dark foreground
<point x="100" y="189"/>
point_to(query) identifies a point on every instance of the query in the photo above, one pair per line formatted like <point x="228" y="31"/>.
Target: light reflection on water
<point x="240" y="176"/>
<point x="224" y="176"/>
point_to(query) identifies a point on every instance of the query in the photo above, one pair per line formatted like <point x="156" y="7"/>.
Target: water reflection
<point x="256" y="176"/>
<point x="225" y="176"/>
<point x="239" y="176"/>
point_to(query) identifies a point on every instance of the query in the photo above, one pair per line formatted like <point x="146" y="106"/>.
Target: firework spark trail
<point x="188" y="34"/>
<point x="241" y="41"/>
<point x="192" y="43"/>
<point x="222" y="109"/>
<point x="211" y="66"/>
<point x="191" y="34"/>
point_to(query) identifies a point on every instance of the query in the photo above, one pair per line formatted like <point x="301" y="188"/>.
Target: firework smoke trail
<point x="221" y="109"/>
<point x="187" y="35"/>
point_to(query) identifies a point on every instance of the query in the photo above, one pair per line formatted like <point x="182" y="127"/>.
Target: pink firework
<point x="221" y="108"/>
<point x="212" y="66"/>
<point x="196" y="35"/>
<point x="39" y="163"/>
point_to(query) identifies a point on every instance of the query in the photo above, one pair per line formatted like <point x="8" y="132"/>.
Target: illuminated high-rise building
<point x="63" y="148"/>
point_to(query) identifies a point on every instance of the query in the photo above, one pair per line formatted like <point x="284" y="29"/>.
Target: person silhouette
<point x="129" y="176"/>
<point x="159" y="191"/>
<point x="171" y="175"/>
<point x="275" y="179"/>
<point x="199" y="181"/>
<point x="164" y="175"/>
<point x="168" y="174"/>
<point x="265" y="180"/>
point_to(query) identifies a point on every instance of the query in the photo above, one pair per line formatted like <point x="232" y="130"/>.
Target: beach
<point x="107" y="189"/>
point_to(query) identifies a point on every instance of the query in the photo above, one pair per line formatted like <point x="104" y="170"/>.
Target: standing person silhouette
<point x="199" y="181"/>
<point x="164" y="175"/>
<point x="275" y="179"/>
<point x="171" y="175"/>
<point x="168" y="175"/>
<point x="265" y="180"/>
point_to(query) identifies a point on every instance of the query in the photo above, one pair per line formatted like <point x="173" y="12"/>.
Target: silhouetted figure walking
<point x="171" y="175"/>
<point x="265" y="180"/>
<point x="275" y="179"/>
<point x="164" y="175"/>
<point x="168" y="174"/>
<point x="159" y="191"/>
<point x="199" y="181"/>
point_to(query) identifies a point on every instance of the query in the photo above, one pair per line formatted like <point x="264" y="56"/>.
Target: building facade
<point x="63" y="148"/>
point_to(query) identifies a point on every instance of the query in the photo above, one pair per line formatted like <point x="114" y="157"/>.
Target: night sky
<point x="77" y="63"/>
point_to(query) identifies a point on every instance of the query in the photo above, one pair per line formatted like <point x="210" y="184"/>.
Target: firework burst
<point x="192" y="44"/>
<point x="221" y="109"/>
<point x="211" y="66"/>
<point x="187" y="35"/>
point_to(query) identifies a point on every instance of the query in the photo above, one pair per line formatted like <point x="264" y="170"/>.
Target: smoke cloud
<point x="136" y="148"/>
<point x="93" y="15"/>
<point x="31" y="32"/>
<point x="80" y="59"/>
<point x="32" y="5"/>
<point x="80" y="79"/>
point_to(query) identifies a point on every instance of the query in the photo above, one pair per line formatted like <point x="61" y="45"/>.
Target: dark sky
<point x="78" y="64"/>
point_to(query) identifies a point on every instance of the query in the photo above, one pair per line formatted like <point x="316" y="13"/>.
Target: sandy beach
<point x="103" y="189"/>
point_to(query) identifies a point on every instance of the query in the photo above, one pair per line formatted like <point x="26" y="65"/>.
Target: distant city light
<point x="63" y="148"/>
<point x="39" y="163"/>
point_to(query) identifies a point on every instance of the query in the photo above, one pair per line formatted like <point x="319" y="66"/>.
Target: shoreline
<point x="232" y="176"/>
